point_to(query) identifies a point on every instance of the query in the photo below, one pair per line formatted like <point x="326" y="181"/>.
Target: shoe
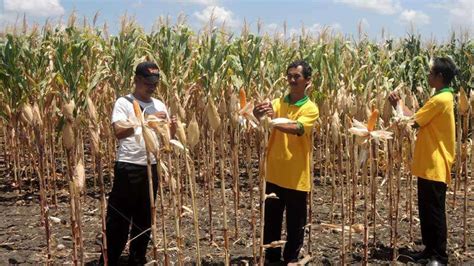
<point x="421" y="257"/>
<point x="434" y="262"/>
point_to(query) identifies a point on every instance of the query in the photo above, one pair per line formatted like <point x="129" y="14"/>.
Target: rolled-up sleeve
<point x="308" y="119"/>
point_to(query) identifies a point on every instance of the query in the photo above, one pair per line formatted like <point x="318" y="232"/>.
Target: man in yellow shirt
<point x="433" y="158"/>
<point x="288" y="163"/>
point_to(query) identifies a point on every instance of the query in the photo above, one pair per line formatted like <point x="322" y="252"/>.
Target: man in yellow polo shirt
<point x="288" y="163"/>
<point x="433" y="158"/>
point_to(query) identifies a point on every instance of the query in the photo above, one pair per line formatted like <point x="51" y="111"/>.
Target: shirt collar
<point x="299" y="103"/>
<point x="447" y="89"/>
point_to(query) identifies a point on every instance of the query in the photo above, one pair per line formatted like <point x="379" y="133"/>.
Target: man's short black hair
<point x="446" y="67"/>
<point x="307" y="70"/>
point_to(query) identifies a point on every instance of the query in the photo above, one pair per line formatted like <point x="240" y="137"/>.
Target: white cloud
<point x="387" y="7"/>
<point x="202" y="2"/>
<point x="462" y="13"/>
<point x="195" y="2"/>
<point x="40" y="8"/>
<point x="271" y="28"/>
<point x="412" y="17"/>
<point x="218" y="14"/>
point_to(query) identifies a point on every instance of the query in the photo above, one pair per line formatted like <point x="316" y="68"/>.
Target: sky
<point x="432" y="19"/>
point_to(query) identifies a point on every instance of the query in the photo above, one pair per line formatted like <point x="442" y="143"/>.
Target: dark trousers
<point x="129" y="204"/>
<point x="432" y="209"/>
<point x="294" y="202"/>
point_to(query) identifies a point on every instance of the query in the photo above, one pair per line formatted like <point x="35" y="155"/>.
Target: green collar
<point x="299" y="103"/>
<point x="447" y="89"/>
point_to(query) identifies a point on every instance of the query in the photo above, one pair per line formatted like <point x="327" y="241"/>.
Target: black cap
<point x="148" y="70"/>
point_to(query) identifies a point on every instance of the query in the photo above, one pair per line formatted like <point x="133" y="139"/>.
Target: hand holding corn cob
<point x="264" y="108"/>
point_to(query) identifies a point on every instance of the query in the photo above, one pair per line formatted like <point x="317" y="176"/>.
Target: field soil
<point x="22" y="236"/>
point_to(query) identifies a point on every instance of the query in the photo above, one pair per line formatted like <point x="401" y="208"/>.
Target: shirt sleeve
<point x="308" y="118"/>
<point x="120" y="111"/>
<point x="276" y="106"/>
<point x="426" y="113"/>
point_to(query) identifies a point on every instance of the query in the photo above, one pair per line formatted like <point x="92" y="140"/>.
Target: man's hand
<point x="160" y="115"/>
<point x="394" y="98"/>
<point x="264" y="108"/>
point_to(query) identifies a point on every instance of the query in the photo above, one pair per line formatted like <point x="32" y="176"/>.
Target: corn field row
<point x="58" y="86"/>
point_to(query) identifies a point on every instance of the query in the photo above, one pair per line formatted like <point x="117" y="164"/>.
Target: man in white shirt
<point x="129" y="201"/>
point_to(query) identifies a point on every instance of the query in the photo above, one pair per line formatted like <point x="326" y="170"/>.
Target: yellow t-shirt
<point x="435" y="143"/>
<point x="289" y="156"/>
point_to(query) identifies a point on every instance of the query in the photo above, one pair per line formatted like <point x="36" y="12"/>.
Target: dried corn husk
<point x="181" y="134"/>
<point x="79" y="177"/>
<point x="37" y="120"/>
<point x="275" y="244"/>
<point x="463" y="102"/>
<point x="27" y="114"/>
<point x="151" y="141"/>
<point x="234" y="109"/>
<point x="193" y="132"/>
<point x="387" y="111"/>
<point x="335" y="126"/>
<point x="177" y="108"/>
<point x="8" y="111"/>
<point x="68" y="110"/>
<point x="91" y="109"/>
<point x="472" y="98"/>
<point x="138" y="111"/>
<point x="213" y="115"/>
<point x="281" y="121"/>
<point x="68" y="136"/>
<point x="163" y="131"/>
<point x="355" y="228"/>
<point x="223" y="107"/>
<point x="95" y="141"/>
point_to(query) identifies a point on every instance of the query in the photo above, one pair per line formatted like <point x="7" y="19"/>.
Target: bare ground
<point x="22" y="237"/>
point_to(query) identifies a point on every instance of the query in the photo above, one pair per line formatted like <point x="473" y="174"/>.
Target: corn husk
<point x="180" y="132"/>
<point x="223" y="107"/>
<point x="193" y="132"/>
<point x="163" y="131"/>
<point x="27" y="114"/>
<point x="137" y="111"/>
<point x="79" y="177"/>
<point x="213" y="115"/>
<point x="95" y="141"/>
<point x="37" y="120"/>
<point x="177" y="108"/>
<point x="234" y="109"/>
<point x="68" y="110"/>
<point x="151" y="141"/>
<point x="68" y="136"/>
<point x="281" y="121"/>
<point x="91" y="110"/>
<point x="387" y="111"/>
<point x="335" y="126"/>
<point x="275" y="244"/>
<point x="463" y="102"/>
<point x="472" y="98"/>
<point x="8" y="111"/>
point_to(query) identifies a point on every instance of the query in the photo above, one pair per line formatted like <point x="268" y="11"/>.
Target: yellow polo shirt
<point x="435" y="143"/>
<point x="289" y="156"/>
